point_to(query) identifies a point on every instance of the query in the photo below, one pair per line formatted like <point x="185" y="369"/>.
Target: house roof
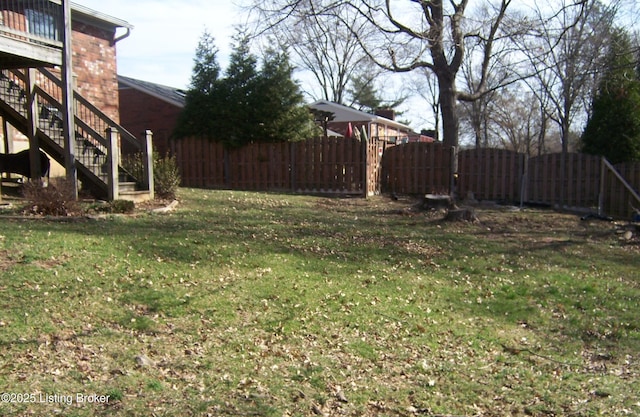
<point x="171" y="95"/>
<point x="94" y="16"/>
<point x="348" y="114"/>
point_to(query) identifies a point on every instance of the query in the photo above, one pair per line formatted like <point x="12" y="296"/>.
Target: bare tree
<point x="477" y="113"/>
<point x="425" y="85"/>
<point x="403" y="37"/>
<point x="564" y="51"/>
<point x="515" y="120"/>
<point x="319" y="43"/>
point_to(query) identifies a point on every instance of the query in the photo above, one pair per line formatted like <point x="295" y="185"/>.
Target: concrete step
<point x="135" y="196"/>
<point x="127" y="186"/>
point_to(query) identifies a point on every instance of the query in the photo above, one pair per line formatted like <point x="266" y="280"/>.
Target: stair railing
<point x="99" y="140"/>
<point x="34" y="21"/>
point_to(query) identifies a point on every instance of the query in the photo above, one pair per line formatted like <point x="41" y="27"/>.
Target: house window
<point x="43" y="24"/>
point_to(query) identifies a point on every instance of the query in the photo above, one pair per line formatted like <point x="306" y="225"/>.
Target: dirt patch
<point x="531" y="227"/>
<point x="6" y="261"/>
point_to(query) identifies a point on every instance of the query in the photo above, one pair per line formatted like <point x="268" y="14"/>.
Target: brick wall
<point x="95" y="68"/>
<point x="141" y="111"/>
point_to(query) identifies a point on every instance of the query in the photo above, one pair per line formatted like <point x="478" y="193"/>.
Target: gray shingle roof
<point x="171" y="95"/>
<point x="348" y="114"/>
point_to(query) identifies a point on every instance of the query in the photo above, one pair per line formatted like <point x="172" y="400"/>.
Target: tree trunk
<point x="448" y="107"/>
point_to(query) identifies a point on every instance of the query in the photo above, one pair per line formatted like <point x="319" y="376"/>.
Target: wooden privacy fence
<point x="417" y="168"/>
<point x="490" y="174"/>
<point x="315" y="166"/>
<point x="354" y="167"/>
<point x="577" y="185"/>
<point x="575" y="180"/>
<point x="620" y="198"/>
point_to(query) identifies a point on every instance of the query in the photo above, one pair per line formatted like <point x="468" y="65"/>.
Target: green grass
<point x="271" y="305"/>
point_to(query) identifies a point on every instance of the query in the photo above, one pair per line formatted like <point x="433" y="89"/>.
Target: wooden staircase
<point x="100" y="143"/>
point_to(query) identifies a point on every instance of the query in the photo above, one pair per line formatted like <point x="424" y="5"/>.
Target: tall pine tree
<point x="613" y="130"/>
<point x="238" y="117"/>
<point x="201" y="99"/>
<point x="280" y="103"/>
<point x="247" y="105"/>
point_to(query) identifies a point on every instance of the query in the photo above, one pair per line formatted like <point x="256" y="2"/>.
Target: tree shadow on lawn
<point x="495" y="248"/>
<point x="189" y="238"/>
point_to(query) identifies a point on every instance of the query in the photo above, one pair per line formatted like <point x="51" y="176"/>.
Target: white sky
<point x="162" y="44"/>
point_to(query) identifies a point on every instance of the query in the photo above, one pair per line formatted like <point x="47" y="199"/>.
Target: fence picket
<point x="348" y="166"/>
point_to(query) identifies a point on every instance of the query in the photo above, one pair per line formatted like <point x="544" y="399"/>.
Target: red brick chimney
<point x="386" y="113"/>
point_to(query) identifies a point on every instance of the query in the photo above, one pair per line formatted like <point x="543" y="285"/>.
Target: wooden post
<point x="601" y="194"/>
<point x="68" y="113"/>
<point x="524" y="181"/>
<point x="453" y="172"/>
<point x="365" y="164"/>
<point x="292" y="166"/>
<point x="32" y="120"/>
<point x="8" y="145"/>
<point x="148" y="162"/>
<point x="112" y="164"/>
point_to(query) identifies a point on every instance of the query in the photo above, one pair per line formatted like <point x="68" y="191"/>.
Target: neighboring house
<point x="149" y="106"/>
<point x="31" y="59"/>
<point x="376" y="126"/>
<point x="422" y="137"/>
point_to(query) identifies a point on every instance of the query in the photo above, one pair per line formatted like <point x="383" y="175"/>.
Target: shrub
<point x="165" y="172"/>
<point x="166" y="176"/>
<point x="57" y="199"/>
<point x="113" y="207"/>
<point x="122" y="206"/>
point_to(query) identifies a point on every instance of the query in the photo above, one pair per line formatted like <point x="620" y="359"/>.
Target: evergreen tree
<point x="613" y="129"/>
<point x="279" y="102"/>
<point x="201" y="100"/>
<point x="237" y="116"/>
<point x="364" y="94"/>
<point x="247" y="105"/>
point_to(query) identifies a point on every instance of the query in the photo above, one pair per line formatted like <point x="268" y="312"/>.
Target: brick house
<point x="32" y="63"/>
<point x="94" y="41"/>
<point x="149" y="106"/>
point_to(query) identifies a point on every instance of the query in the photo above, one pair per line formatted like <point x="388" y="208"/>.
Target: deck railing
<point x="37" y="21"/>
<point x="100" y="142"/>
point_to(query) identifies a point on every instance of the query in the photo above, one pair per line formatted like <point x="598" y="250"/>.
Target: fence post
<point x="365" y="166"/>
<point x="226" y="174"/>
<point x="292" y="166"/>
<point x="453" y="172"/>
<point x="524" y="180"/>
<point x="147" y="150"/>
<point x="601" y="192"/>
<point x="112" y="164"/>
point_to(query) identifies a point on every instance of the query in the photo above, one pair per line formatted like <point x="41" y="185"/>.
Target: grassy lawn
<point x="278" y="305"/>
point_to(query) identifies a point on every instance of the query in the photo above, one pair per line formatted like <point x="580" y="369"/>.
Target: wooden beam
<point x="67" y="100"/>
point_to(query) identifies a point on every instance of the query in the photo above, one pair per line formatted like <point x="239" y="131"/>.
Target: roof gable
<point x="171" y="95"/>
<point x="97" y="18"/>
<point x="348" y="114"/>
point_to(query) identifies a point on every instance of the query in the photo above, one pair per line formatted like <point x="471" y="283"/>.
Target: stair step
<point x="127" y="186"/>
<point x="90" y="152"/>
<point x="135" y="196"/>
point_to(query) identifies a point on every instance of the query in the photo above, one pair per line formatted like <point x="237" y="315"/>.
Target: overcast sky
<point x="162" y="44"/>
